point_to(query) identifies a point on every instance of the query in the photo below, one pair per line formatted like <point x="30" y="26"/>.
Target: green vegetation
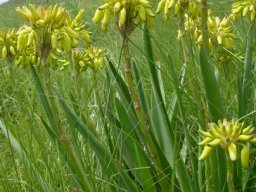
<point x="128" y="95"/>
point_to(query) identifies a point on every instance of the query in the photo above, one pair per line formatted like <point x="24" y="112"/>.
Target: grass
<point x="98" y="141"/>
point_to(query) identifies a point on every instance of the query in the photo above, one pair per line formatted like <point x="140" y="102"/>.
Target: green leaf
<point x="132" y="150"/>
<point x="109" y="166"/>
<point x="160" y="119"/>
<point x="217" y="111"/>
<point x="22" y="154"/>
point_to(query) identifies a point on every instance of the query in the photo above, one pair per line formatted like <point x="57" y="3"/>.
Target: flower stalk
<point x="135" y="97"/>
<point x="204" y="12"/>
<point x="230" y="179"/>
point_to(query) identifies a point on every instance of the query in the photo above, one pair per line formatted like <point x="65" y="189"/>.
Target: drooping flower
<point x="227" y="135"/>
<point x="50" y="34"/>
<point x="246" y="8"/>
<point x="92" y="58"/>
<point x="8" y="40"/>
<point x="190" y="7"/>
<point x="127" y="13"/>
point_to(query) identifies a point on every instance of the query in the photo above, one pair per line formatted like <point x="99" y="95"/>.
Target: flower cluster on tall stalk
<point x="48" y="39"/>
<point x="246" y="8"/>
<point x="8" y="40"/>
<point x="128" y="14"/>
<point x="220" y="32"/>
<point x="51" y="33"/>
<point x="220" y="36"/>
<point x="228" y="135"/>
<point x="191" y="7"/>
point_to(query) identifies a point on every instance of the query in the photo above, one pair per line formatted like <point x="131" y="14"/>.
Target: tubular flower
<point x="127" y="13"/>
<point x="92" y="57"/>
<point x="191" y="7"/>
<point x="220" y="36"/>
<point x="51" y="33"/>
<point x="220" y="31"/>
<point x="8" y="40"/>
<point x="227" y="135"/>
<point x="244" y="8"/>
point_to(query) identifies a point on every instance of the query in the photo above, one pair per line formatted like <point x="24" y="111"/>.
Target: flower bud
<point x="214" y="143"/>
<point x="142" y="13"/>
<point x="117" y="7"/>
<point x="245" y="11"/>
<point x="253" y="14"/>
<point x="4" y="52"/>
<point x="54" y="41"/>
<point x="171" y="4"/>
<point x="79" y="15"/>
<point x="122" y="17"/>
<point x="232" y="149"/>
<point x="104" y="6"/>
<point x="205" y="141"/>
<point x="12" y="50"/>
<point x="245" y="157"/>
<point x="244" y="137"/>
<point x="160" y="6"/>
<point x="106" y="17"/>
<point x="205" y="152"/>
<point x="98" y="16"/>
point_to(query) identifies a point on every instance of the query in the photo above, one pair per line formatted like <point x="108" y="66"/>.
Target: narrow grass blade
<point x="248" y="77"/>
<point x="45" y="102"/>
<point x="160" y="119"/>
<point x="130" y="146"/>
<point x="109" y="166"/>
<point x="123" y="89"/>
<point x="24" y="158"/>
<point x="66" y="148"/>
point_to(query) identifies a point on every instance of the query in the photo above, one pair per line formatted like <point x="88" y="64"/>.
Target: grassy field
<point x="133" y="129"/>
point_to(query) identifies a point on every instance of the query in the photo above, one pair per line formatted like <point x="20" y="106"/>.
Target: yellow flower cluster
<point x="91" y="57"/>
<point x="220" y="35"/>
<point x="127" y="13"/>
<point x="8" y="40"/>
<point x="220" y="31"/>
<point x="50" y="33"/>
<point x="244" y="7"/>
<point x="227" y="135"/>
<point x="191" y="7"/>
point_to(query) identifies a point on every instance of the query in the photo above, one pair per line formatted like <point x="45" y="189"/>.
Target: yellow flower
<point x="91" y="57"/>
<point x="227" y="135"/>
<point x="50" y="34"/>
<point x="127" y="13"/>
<point x="190" y="7"/>
<point x="244" y="8"/>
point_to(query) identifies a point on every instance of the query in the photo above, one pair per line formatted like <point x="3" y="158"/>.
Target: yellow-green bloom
<point x="91" y="57"/>
<point x="221" y="36"/>
<point x="50" y="34"/>
<point x="127" y="13"/>
<point x="227" y="135"/>
<point x="190" y="7"/>
<point x="246" y="8"/>
<point x="8" y="40"/>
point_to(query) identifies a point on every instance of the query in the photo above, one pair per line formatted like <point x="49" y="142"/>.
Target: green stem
<point x="230" y="179"/>
<point x="136" y="100"/>
<point x="65" y="138"/>
<point x="204" y="13"/>
<point x="183" y="37"/>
